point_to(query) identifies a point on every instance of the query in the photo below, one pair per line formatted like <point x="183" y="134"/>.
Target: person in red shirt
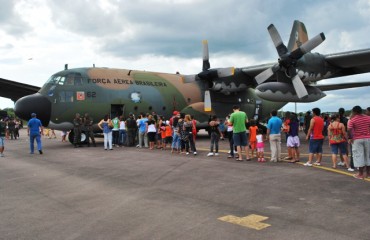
<point x="314" y="134"/>
<point x="358" y="129"/>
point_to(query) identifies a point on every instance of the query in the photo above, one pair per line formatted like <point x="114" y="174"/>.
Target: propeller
<point x="208" y="74"/>
<point x="288" y="60"/>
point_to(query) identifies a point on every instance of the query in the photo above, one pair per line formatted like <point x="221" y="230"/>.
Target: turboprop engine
<point x="285" y="92"/>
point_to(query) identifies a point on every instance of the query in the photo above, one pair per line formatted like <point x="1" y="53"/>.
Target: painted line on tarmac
<point x="329" y="169"/>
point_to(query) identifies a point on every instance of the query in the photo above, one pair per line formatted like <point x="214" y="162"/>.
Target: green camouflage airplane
<point x="256" y="89"/>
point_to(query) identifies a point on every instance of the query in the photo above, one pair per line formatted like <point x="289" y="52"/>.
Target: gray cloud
<point x="10" y="21"/>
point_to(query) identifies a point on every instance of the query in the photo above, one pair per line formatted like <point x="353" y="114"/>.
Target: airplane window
<point x="78" y="79"/>
<point x="66" y="96"/>
<point x="69" y="96"/>
<point x="61" y="80"/>
<point x="53" y="79"/>
<point x="74" y="79"/>
<point x="70" y="79"/>
<point x="62" y="97"/>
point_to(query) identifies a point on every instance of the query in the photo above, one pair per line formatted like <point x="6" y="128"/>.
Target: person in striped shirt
<point x="359" y="136"/>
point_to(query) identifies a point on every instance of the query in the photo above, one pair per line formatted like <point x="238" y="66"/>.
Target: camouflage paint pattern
<point x="162" y="93"/>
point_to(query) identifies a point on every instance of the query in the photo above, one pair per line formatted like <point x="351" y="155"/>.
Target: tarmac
<point x="131" y="193"/>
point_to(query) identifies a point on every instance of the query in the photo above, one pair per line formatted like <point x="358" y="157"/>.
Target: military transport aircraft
<point x="257" y="89"/>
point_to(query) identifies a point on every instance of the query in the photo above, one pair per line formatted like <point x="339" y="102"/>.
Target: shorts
<point x="339" y="146"/>
<point x="2" y="141"/>
<point x="361" y="152"/>
<point x="260" y="145"/>
<point x="151" y="136"/>
<point x="315" y="145"/>
<point x="293" y="142"/>
<point x="240" y="139"/>
<point x="168" y="140"/>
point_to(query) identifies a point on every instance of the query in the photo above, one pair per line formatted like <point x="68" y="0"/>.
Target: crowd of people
<point x="347" y="136"/>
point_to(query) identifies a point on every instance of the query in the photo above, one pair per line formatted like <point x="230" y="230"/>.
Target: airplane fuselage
<point x="101" y="91"/>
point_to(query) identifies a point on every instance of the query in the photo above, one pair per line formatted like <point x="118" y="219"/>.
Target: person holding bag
<point x="338" y="141"/>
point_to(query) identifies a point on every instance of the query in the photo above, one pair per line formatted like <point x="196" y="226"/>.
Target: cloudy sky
<point x="37" y="37"/>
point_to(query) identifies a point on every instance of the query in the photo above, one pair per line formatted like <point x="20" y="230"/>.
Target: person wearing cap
<point x="35" y="130"/>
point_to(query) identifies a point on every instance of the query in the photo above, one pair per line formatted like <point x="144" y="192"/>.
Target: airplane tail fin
<point x="298" y="36"/>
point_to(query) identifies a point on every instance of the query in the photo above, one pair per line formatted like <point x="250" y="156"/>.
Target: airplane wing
<point x="15" y="90"/>
<point x="352" y="62"/>
<point x="340" y="86"/>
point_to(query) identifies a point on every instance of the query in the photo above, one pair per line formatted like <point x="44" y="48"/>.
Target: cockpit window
<point x="74" y="79"/>
<point x="69" y="79"/>
<point x="61" y="80"/>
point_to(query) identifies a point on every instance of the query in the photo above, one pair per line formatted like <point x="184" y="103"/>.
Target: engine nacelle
<point x="284" y="92"/>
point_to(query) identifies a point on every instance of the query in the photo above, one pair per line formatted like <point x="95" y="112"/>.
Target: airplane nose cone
<point x="35" y="103"/>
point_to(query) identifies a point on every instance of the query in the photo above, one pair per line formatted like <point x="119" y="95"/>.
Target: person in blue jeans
<point x="35" y="130"/>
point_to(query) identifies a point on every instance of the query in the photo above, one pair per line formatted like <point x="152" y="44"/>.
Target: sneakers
<point x="350" y="170"/>
<point x="307" y="164"/>
<point x="230" y="156"/>
<point x="187" y="153"/>
<point x="216" y="154"/>
<point x="341" y="164"/>
<point x="40" y="151"/>
<point x="210" y="154"/>
<point x="195" y="153"/>
<point x="1" y="154"/>
<point x="317" y="164"/>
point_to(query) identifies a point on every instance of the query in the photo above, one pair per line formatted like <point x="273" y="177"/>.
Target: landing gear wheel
<point x="83" y="139"/>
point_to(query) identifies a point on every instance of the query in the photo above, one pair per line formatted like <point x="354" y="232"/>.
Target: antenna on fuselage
<point x="66" y="66"/>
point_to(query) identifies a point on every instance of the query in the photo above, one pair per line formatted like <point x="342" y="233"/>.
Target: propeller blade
<point x="225" y="72"/>
<point x="206" y="64"/>
<point x="312" y="43"/>
<point x="263" y="76"/>
<point x="207" y="101"/>
<point x="278" y="42"/>
<point x="299" y="87"/>
<point x="308" y="46"/>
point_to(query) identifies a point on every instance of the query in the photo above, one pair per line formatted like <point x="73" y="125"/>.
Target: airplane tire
<point x="83" y="137"/>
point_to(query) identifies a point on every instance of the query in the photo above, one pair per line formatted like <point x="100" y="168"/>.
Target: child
<point x="252" y="136"/>
<point x="53" y="135"/>
<point x="47" y="133"/>
<point x="168" y="135"/>
<point x="260" y="146"/>
<point x="64" y="135"/>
